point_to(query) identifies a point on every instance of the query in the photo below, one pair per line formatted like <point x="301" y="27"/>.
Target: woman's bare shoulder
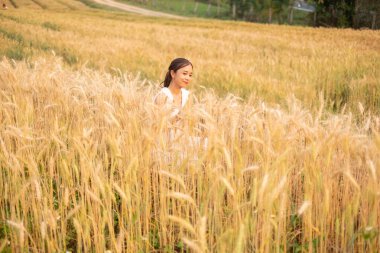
<point x="160" y="99"/>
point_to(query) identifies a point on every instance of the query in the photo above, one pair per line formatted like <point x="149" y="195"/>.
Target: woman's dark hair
<point x="175" y="65"/>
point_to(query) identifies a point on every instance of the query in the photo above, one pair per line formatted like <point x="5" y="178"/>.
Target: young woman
<point x="174" y="93"/>
<point x="173" y="97"/>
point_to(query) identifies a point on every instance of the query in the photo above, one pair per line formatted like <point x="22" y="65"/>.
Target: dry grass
<point x="85" y="167"/>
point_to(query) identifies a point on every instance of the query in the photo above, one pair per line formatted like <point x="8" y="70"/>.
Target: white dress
<point x="168" y="93"/>
<point x="175" y="144"/>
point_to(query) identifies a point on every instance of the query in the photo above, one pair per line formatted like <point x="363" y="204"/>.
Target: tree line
<point x="330" y="13"/>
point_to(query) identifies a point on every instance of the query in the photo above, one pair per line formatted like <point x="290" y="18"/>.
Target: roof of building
<point x="303" y="6"/>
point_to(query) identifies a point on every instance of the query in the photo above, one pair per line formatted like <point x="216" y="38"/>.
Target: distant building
<point x="301" y="5"/>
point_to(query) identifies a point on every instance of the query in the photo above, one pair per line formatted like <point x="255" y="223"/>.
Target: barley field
<point x="279" y="151"/>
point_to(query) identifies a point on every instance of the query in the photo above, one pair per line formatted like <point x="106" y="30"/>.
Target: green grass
<point x="184" y="7"/>
<point x="16" y="53"/>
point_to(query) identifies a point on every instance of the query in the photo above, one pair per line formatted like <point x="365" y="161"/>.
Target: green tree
<point x="348" y="13"/>
<point x="256" y="10"/>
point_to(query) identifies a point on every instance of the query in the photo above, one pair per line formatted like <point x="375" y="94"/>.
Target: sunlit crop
<point x="86" y="166"/>
<point x="279" y="150"/>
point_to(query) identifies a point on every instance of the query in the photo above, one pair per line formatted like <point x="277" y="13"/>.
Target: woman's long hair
<point x="175" y="65"/>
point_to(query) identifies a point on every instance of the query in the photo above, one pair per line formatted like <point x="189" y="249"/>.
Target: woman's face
<point x="183" y="76"/>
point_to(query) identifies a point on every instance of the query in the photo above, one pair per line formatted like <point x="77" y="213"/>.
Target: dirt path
<point x="138" y="10"/>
